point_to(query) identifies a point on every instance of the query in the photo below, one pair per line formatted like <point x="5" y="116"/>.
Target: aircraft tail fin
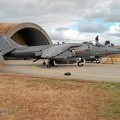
<point x="6" y="45"/>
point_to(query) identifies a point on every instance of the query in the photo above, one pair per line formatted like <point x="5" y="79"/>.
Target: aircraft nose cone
<point x="117" y="51"/>
<point x="114" y="51"/>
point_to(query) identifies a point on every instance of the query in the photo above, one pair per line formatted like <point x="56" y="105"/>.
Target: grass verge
<point x="1" y="63"/>
<point x="24" y="98"/>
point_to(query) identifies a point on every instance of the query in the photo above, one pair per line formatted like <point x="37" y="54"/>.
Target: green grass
<point x="112" y="111"/>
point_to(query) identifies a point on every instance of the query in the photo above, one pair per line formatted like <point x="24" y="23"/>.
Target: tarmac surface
<point x="90" y="71"/>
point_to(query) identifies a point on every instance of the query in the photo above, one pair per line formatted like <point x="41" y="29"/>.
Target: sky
<point x="70" y="21"/>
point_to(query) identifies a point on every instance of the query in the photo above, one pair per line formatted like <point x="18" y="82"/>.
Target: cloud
<point x="115" y="30"/>
<point x="62" y="28"/>
<point x="107" y="10"/>
<point x="58" y="12"/>
<point x="70" y="36"/>
<point x="66" y="19"/>
<point x="92" y="27"/>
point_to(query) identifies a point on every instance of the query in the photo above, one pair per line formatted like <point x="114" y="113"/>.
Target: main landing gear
<point x="50" y="63"/>
<point x="81" y="62"/>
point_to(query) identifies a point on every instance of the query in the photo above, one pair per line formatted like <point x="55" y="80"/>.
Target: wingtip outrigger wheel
<point x="44" y="63"/>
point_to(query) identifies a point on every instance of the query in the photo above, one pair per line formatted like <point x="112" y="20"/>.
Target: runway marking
<point x="92" y="75"/>
<point x="46" y="69"/>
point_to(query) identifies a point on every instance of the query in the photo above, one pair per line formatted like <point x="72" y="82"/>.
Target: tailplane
<point x="7" y="45"/>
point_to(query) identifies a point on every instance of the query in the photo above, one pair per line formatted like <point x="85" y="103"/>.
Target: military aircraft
<point x="55" y="53"/>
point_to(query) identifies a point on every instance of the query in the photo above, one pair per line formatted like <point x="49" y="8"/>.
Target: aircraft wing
<point x="56" y="50"/>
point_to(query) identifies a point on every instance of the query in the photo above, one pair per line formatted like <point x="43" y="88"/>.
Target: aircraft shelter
<point x="26" y="33"/>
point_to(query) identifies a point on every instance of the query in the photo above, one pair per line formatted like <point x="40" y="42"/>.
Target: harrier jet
<point x="55" y="53"/>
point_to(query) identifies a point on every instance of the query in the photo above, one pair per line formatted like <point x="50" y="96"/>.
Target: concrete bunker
<point x="26" y="33"/>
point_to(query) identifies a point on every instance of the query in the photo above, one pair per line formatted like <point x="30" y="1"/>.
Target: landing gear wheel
<point x="48" y="66"/>
<point x="80" y="64"/>
<point x="50" y="63"/>
<point x="98" y="61"/>
<point x="44" y="63"/>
